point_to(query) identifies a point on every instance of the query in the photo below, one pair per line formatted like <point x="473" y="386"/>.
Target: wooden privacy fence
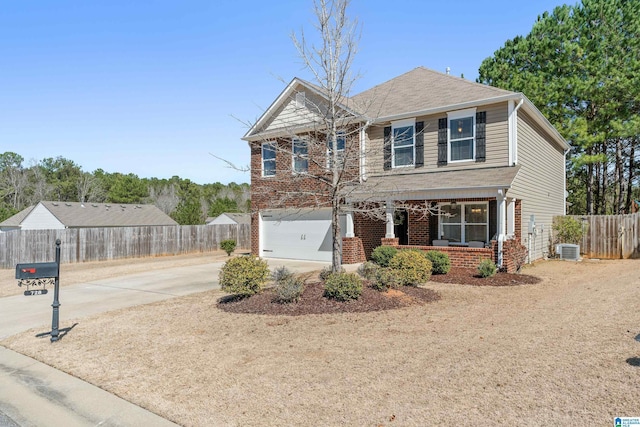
<point x="99" y="244"/>
<point x="610" y="236"/>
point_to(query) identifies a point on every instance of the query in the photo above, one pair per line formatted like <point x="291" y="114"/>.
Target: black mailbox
<point x="40" y="270"/>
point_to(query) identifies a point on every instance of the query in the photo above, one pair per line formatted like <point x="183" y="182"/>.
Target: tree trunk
<point x="619" y="178"/>
<point x="589" y="183"/>
<point x="630" y="176"/>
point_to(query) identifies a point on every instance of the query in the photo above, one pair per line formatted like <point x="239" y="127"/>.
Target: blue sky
<point x="153" y="87"/>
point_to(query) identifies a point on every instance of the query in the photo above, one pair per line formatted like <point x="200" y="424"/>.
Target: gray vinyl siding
<point x="497" y="144"/>
<point x="540" y="182"/>
<point x="41" y="219"/>
<point x="290" y="116"/>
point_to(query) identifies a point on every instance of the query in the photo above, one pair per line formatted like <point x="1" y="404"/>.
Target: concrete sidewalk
<point x="35" y="394"/>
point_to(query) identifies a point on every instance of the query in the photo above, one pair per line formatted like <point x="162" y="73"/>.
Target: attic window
<point x="301" y="98"/>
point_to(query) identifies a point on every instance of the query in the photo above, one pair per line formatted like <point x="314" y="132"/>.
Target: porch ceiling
<point x="446" y="184"/>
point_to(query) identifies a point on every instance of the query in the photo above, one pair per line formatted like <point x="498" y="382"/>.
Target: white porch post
<point x="389" y="219"/>
<point x="349" y="231"/>
<point x="501" y="228"/>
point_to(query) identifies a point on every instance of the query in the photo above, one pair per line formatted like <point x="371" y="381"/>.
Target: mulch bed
<point x="313" y="301"/>
<point x="469" y="276"/>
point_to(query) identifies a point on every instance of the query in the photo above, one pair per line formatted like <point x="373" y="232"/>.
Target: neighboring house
<point x="485" y="158"/>
<point x="60" y="215"/>
<point x="230" y="219"/>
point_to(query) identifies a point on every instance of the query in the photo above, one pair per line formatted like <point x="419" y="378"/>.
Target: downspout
<point x="514" y="133"/>
<point x="363" y="151"/>
<point x="501" y="224"/>
<point x="564" y="182"/>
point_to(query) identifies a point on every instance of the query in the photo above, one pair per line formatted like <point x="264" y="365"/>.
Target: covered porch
<point x="467" y="214"/>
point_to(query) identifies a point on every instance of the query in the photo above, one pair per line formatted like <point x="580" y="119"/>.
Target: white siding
<point x="41" y="219"/>
<point x="290" y="115"/>
<point x="540" y="182"/>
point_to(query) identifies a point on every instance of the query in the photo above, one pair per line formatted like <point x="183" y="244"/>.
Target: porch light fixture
<point x="453" y="203"/>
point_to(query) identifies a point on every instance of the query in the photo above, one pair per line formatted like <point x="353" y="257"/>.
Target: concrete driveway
<point x="34" y="394"/>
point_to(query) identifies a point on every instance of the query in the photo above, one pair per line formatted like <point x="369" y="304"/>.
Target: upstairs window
<point x="300" y="156"/>
<point x="268" y="159"/>
<point x="340" y="145"/>
<point x="462" y="135"/>
<point x="403" y="143"/>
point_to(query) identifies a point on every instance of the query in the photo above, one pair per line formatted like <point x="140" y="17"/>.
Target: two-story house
<point x="485" y="163"/>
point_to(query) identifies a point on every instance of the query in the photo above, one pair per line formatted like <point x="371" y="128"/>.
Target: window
<point x="464" y="222"/>
<point x="462" y="135"/>
<point x="340" y="143"/>
<point x="268" y="159"/>
<point x="300" y="156"/>
<point x="403" y="143"/>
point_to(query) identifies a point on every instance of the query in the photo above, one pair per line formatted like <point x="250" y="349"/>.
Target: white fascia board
<point x="283" y="95"/>
<point x="286" y="93"/>
<point x="542" y="121"/>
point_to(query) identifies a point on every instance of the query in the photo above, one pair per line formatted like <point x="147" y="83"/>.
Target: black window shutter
<point x="419" y="144"/>
<point x="442" y="142"/>
<point x="387" y="148"/>
<point x="493" y="219"/>
<point x="481" y="144"/>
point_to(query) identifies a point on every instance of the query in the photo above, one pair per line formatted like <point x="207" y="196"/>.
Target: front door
<point x="401" y="226"/>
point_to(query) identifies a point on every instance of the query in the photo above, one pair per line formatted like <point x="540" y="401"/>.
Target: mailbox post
<point x="39" y="274"/>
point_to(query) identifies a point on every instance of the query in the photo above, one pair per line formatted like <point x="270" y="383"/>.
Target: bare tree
<point x="89" y="188"/>
<point x="166" y="198"/>
<point x="321" y="151"/>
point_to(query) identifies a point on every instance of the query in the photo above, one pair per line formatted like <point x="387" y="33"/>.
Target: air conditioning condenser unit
<point x="568" y="251"/>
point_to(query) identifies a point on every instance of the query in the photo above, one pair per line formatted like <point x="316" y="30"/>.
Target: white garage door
<point x="299" y="234"/>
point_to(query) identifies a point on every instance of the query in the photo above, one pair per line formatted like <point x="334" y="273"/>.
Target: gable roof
<point x="76" y="215"/>
<point x="16" y="220"/>
<point x="419" y="92"/>
<point x="422" y="89"/>
<point x="239" y="218"/>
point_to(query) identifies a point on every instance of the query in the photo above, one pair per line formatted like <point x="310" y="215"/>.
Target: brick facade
<point x="459" y="257"/>
<point x="352" y="250"/>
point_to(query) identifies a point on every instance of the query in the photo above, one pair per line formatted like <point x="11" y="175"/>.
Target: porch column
<point x="501" y="226"/>
<point x="349" y="231"/>
<point x="389" y="220"/>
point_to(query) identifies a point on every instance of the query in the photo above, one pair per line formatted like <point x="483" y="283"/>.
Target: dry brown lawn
<point x="561" y="352"/>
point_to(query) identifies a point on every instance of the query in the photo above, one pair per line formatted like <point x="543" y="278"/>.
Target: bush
<point x="440" y="263"/>
<point x="243" y="276"/>
<point x="383" y="254"/>
<point x="281" y="273"/>
<point x="343" y="286"/>
<point x="228" y="246"/>
<point x="368" y="270"/>
<point x="567" y="230"/>
<point x="386" y="278"/>
<point x="327" y="271"/>
<point x="411" y="267"/>
<point x="288" y="289"/>
<point x="487" y="268"/>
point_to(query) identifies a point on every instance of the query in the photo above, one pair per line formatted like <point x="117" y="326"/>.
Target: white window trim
<point x="272" y="144"/>
<point x="400" y="124"/>
<point x="294" y="155"/>
<point x="339" y="134"/>
<point x="461" y="114"/>
<point x="462" y="222"/>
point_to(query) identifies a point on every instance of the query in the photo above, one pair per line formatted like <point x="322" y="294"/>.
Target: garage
<point x="297" y="234"/>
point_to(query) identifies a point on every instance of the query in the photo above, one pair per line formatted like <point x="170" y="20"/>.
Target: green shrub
<point x="383" y="254"/>
<point x="288" y="289"/>
<point x="281" y="273"/>
<point x="243" y="276"/>
<point x="343" y="286"/>
<point x="440" y="263"/>
<point x="412" y="267"/>
<point x="228" y="246"/>
<point x="327" y="271"/>
<point x="368" y="270"/>
<point x="567" y="230"/>
<point x="487" y="268"/>
<point x="386" y="278"/>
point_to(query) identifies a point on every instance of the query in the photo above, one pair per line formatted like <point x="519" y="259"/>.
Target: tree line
<point x="61" y="179"/>
<point x="580" y="65"/>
